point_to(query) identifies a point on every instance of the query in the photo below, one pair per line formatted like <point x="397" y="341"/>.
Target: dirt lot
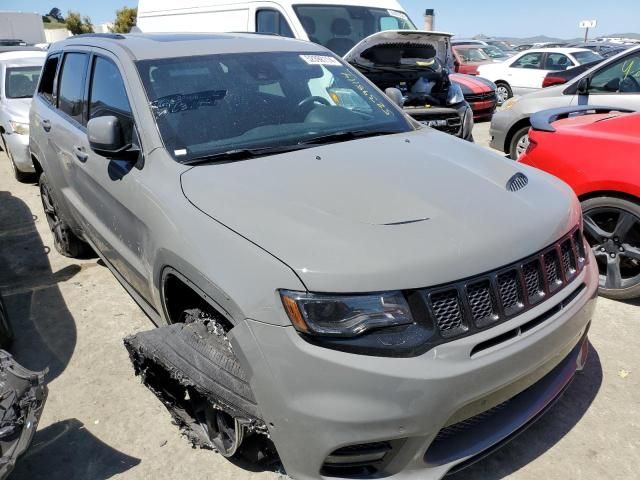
<point x="100" y="422"/>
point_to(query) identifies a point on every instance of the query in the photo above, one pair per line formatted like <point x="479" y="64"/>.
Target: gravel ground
<point x="100" y="422"/>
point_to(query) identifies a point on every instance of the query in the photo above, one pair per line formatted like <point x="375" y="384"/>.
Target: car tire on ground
<point x="612" y="228"/>
<point x="66" y="242"/>
<point x="519" y="142"/>
<point x="503" y="92"/>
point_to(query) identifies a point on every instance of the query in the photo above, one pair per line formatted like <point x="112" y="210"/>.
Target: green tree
<point x="77" y="24"/>
<point x="125" y="20"/>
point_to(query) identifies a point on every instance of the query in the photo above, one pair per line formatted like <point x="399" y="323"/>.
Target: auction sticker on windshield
<point x="320" y="60"/>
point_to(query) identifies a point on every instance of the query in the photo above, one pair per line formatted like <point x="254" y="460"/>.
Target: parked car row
<point x="592" y="153"/>
<point x="525" y="72"/>
<point x="572" y="130"/>
<point x="614" y="82"/>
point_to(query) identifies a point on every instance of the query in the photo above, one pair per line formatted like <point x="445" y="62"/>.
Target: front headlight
<point x="454" y="95"/>
<point x="510" y="103"/>
<point x="345" y="315"/>
<point x="19" y="127"/>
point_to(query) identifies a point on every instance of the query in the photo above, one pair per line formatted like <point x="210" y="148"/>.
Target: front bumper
<point x="455" y="120"/>
<point x="18" y="146"/>
<point x="501" y="123"/>
<point x="317" y="400"/>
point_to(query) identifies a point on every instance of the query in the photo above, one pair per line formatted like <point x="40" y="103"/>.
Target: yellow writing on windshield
<point x="364" y="91"/>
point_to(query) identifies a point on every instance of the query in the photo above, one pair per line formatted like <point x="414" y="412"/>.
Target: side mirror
<point x="106" y="138"/>
<point x="395" y="95"/>
<point x="583" y="86"/>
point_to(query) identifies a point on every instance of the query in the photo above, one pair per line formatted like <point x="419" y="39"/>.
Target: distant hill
<point x="624" y="35"/>
<point x="544" y="38"/>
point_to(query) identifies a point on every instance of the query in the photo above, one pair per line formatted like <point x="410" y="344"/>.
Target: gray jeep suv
<point x="375" y="297"/>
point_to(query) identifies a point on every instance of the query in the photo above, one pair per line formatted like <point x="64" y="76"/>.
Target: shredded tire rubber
<point x="23" y="394"/>
<point x="183" y="361"/>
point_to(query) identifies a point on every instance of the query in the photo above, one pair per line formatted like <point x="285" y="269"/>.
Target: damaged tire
<point x="192" y="369"/>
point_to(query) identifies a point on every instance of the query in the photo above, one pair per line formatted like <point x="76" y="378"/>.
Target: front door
<point x="615" y="85"/>
<point x="111" y="196"/>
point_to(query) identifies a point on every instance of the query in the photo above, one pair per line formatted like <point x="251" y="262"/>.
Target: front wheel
<point x="519" y="143"/>
<point x="503" y="92"/>
<point x="612" y="228"/>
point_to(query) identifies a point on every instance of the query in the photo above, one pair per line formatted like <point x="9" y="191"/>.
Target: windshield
<point x="341" y="27"/>
<point x="504" y="46"/>
<point x="471" y="54"/>
<point x="207" y="105"/>
<point x="494" y="52"/>
<point x="21" y="82"/>
<point x="586" y="57"/>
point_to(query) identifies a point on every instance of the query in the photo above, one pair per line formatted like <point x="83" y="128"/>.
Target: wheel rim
<point x="502" y="93"/>
<point x="55" y="225"/>
<point x="522" y="145"/>
<point x="614" y="236"/>
<point x="225" y="432"/>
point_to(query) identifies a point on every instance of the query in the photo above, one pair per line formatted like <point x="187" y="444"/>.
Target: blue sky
<point x="558" y="18"/>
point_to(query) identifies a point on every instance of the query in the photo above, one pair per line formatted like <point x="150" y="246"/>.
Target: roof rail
<point x="113" y="36"/>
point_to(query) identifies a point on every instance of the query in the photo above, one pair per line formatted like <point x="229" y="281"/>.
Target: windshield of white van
<point x="215" y="105"/>
<point x="341" y="27"/>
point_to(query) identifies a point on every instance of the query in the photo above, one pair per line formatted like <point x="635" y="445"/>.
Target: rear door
<point x="527" y="73"/>
<point x="616" y="84"/>
<point x="67" y="127"/>
<point x="109" y="190"/>
<point x="43" y="107"/>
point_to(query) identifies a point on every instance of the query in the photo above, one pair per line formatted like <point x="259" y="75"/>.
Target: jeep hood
<point x="402" y="47"/>
<point x="393" y="212"/>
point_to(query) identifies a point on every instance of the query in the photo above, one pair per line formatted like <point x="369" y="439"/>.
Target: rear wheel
<point x="503" y="92"/>
<point x="612" y="228"/>
<point x="519" y="143"/>
<point x="65" y="241"/>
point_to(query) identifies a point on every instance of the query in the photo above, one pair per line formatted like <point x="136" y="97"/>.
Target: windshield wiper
<point x="346" y="135"/>
<point x="240" y="154"/>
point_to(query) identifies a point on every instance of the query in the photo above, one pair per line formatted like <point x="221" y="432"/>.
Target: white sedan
<point x="524" y="72"/>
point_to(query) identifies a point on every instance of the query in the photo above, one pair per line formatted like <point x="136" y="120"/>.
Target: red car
<point x="479" y="92"/>
<point x="467" y="58"/>
<point x="597" y="152"/>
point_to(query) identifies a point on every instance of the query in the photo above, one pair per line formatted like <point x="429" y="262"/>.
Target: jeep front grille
<point x="483" y="301"/>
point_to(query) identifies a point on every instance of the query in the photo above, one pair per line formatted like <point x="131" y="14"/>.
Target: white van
<point x="329" y="23"/>
<point x="375" y="36"/>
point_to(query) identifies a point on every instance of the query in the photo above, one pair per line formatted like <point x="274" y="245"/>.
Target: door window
<point x="529" y="60"/>
<point x="71" y="98"/>
<point x="622" y="76"/>
<point x="108" y="96"/>
<point x="557" y="61"/>
<point x="272" y="21"/>
<point x="47" y="82"/>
